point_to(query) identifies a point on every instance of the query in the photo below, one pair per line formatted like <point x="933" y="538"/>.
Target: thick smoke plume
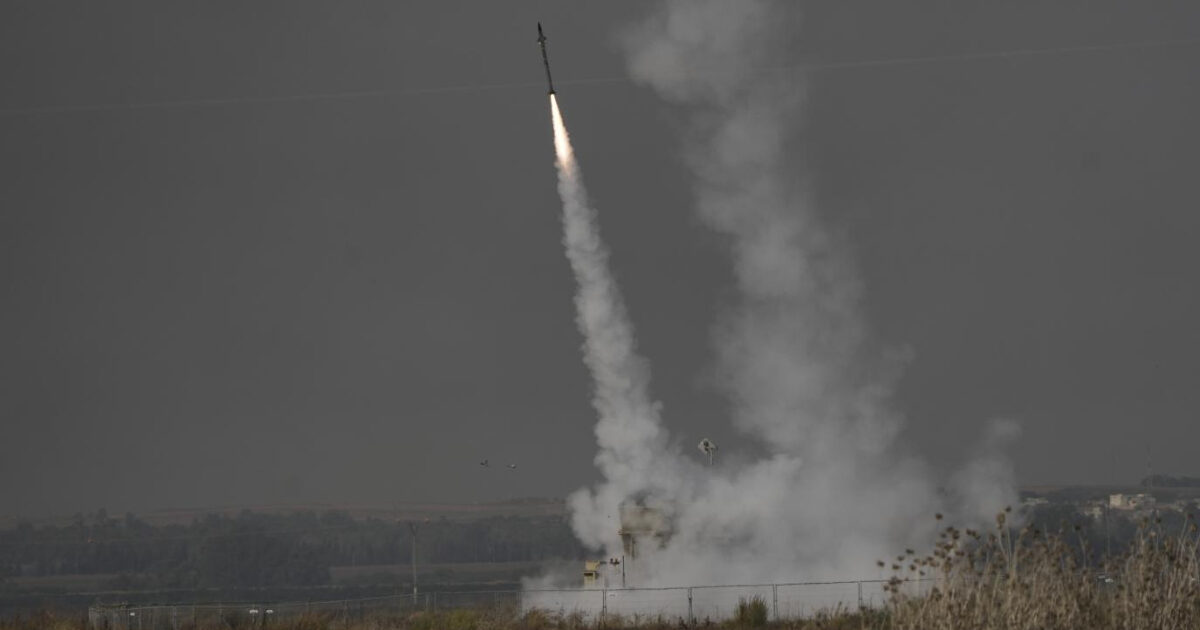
<point x="833" y="494"/>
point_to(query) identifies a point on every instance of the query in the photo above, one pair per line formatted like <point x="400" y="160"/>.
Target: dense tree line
<point x="1167" y="481"/>
<point x="252" y="550"/>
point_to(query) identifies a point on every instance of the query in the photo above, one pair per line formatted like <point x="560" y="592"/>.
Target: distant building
<point x="591" y="573"/>
<point x="1182" y="505"/>
<point x="1029" y="503"/>
<point x="1131" y="501"/>
<point x="643" y="529"/>
<point x="641" y="525"/>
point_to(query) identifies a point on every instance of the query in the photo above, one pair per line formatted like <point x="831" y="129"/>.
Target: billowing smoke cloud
<point x="833" y="494"/>
<point x="794" y="355"/>
<point x="988" y="479"/>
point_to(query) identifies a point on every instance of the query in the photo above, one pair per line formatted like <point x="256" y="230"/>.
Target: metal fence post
<point x="775" y="601"/>
<point x="603" y="603"/>
<point x="691" y="615"/>
<point x="860" y="597"/>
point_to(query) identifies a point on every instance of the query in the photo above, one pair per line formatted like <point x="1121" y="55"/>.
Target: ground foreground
<point x="488" y="620"/>
<point x="1008" y="578"/>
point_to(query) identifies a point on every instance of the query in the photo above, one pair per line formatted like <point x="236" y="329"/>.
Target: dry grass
<point x="751" y="612"/>
<point x="1034" y="579"/>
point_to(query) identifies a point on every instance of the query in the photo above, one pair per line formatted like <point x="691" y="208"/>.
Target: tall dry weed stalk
<point x="1017" y="579"/>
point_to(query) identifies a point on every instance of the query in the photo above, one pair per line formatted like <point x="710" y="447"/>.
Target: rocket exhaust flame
<point x="562" y="142"/>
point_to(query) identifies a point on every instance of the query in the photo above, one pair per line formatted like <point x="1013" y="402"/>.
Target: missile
<point x="545" y="60"/>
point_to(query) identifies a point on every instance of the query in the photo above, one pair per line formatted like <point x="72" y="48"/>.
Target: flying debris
<point x="484" y="463"/>
<point x="545" y="60"/>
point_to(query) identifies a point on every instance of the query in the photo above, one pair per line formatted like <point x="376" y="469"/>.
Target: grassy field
<point x="70" y="582"/>
<point x="495" y="619"/>
<point x="1004" y="578"/>
<point x="477" y="573"/>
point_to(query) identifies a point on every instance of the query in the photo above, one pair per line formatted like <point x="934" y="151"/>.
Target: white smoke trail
<point x="794" y="351"/>
<point x="629" y="432"/>
<point x="834" y="494"/>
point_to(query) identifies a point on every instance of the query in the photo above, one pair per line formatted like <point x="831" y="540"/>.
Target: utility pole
<point x="412" y="527"/>
<point x="1149" y="470"/>
<point x="1107" y="532"/>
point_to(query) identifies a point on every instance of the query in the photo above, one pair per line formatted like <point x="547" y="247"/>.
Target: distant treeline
<point x="1111" y="532"/>
<point x="256" y="550"/>
<point x="1167" y="481"/>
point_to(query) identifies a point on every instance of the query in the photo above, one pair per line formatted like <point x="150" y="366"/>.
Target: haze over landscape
<point x="761" y="313"/>
<point x="354" y="298"/>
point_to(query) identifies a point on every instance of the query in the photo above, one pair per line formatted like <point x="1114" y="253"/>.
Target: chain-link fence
<point x="715" y="603"/>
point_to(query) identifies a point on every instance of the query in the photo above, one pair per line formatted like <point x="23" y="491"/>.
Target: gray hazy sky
<point x="356" y="299"/>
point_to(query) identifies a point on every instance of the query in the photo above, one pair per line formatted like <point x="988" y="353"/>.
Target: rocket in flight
<point x="545" y="60"/>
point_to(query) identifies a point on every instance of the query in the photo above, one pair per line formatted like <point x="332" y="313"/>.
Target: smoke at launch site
<point x="795" y="358"/>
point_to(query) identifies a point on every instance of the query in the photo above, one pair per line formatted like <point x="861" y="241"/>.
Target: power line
<point x="1004" y="54"/>
<point x="357" y="94"/>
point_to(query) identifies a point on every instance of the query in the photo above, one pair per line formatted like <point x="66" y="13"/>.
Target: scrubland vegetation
<point x="1029" y="578"/>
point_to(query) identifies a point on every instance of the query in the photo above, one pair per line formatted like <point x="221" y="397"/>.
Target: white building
<point x="1131" y="501"/>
